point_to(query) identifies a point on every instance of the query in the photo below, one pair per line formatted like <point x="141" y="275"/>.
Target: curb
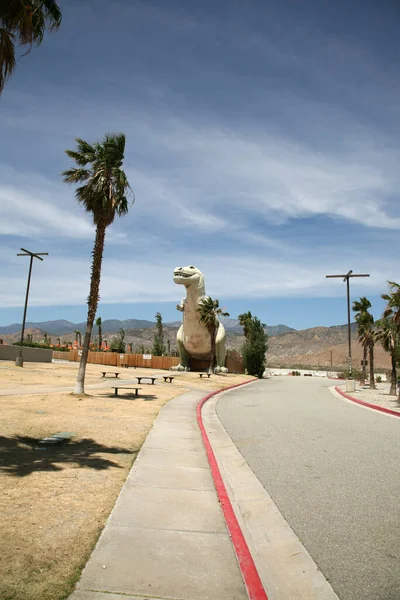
<point x="254" y="586"/>
<point x="367" y="404"/>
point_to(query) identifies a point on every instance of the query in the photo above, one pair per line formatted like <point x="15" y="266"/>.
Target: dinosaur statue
<point x="193" y="337"/>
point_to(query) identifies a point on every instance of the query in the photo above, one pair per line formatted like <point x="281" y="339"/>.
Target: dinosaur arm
<point x="181" y="305"/>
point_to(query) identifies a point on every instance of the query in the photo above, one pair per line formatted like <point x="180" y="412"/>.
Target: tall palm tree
<point x="388" y="335"/>
<point x="209" y="311"/>
<point x="392" y="309"/>
<point x="366" y="337"/>
<point x="245" y="320"/>
<point x="98" y="324"/>
<point x="104" y="195"/>
<point x="23" y="23"/>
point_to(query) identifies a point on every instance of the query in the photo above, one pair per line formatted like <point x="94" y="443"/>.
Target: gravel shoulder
<point x="379" y="397"/>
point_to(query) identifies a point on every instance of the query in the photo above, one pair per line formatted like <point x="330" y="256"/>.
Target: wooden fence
<point x="114" y="359"/>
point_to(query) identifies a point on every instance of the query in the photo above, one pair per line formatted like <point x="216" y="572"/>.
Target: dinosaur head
<point x="189" y="276"/>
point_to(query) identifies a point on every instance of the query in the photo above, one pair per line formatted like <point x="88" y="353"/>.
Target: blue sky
<point x="262" y="146"/>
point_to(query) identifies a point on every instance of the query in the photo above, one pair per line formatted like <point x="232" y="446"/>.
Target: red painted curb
<point x="374" y="406"/>
<point x="255" y="588"/>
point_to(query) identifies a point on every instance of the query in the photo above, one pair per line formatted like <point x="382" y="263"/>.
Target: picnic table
<point x="139" y="379"/>
<point x="104" y="373"/>
<point x="136" y="389"/>
<point x="205" y="375"/>
<point x="165" y="377"/>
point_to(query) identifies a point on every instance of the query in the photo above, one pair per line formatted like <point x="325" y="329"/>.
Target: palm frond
<point x="52" y="14"/>
<point x="7" y="56"/>
<point x="107" y="186"/>
<point x="75" y="175"/>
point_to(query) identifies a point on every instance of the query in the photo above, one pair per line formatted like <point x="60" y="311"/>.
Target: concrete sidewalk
<point x="166" y="537"/>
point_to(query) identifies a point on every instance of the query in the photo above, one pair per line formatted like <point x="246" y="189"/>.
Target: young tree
<point x="158" y="341"/>
<point x="255" y="347"/>
<point x="209" y="311"/>
<point x="360" y="307"/>
<point x="118" y="343"/>
<point x="366" y="335"/>
<point x="245" y="320"/>
<point x="99" y="326"/>
<point x="104" y="195"/>
<point x="78" y="337"/>
<point x="387" y="334"/>
<point x="23" y="23"/>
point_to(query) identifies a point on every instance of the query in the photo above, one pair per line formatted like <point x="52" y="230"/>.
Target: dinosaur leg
<point x="184" y="362"/>
<point x="220" y="350"/>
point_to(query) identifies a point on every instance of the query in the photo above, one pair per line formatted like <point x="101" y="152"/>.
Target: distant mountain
<point x="61" y="326"/>
<point x="287" y="347"/>
<point x="233" y="326"/>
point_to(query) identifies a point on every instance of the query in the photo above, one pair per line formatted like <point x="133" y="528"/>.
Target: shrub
<point x="356" y="374"/>
<point x="378" y="379"/>
<point x="255" y="347"/>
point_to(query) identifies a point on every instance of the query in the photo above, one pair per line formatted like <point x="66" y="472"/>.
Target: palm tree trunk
<point x="393" y="378"/>
<point x="364" y="369"/>
<point x="212" y="357"/>
<point x="93" y="301"/>
<point x="371" y="368"/>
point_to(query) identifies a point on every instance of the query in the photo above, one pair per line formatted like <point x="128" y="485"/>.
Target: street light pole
<point x="346" y="278"/>
<point x="19" y="360"/>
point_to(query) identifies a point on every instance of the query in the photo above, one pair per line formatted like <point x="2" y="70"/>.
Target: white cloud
<point x="62" y="281"/>
<point x="270" y="176"/>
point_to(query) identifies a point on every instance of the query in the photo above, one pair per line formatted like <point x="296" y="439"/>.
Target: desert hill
<point x="287" y="347"/>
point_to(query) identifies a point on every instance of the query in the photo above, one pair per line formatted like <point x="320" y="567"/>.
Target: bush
<point x="254" y="348"/>
<point x="356" y="374"/>
<point x="378" y="379"/>
<point x="33" y="345"/>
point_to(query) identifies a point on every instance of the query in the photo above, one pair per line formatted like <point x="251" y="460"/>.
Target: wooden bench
<point x="139" y="379"/>
<point x="126" y="388"/>
<point x="166" y="377"/>
<point x="205" y="375"/>
<point x="104" y="373"/>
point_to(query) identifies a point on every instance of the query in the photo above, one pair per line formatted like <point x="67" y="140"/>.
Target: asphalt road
<point x="333" y="470"/>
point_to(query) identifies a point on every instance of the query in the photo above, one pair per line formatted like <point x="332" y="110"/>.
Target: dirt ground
<point x="55" y="501"/>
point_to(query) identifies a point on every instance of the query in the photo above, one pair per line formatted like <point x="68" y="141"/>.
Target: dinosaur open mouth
<point x="180" y="274"/>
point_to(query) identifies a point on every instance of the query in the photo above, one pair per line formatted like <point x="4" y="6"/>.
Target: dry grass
<point x="54" y="502"/>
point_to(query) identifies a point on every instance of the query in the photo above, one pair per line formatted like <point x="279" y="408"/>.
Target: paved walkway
<point x="166" y="537"/>
<point x="331" y="467"/>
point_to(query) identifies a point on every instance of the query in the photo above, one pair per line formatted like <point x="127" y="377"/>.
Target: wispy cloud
<point x="246" y="150"/>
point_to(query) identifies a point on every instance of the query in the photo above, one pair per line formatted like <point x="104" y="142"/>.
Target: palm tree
<point x="98" y="324"/>
<point x="392" y="309"/>
<point x="366" y="337"/>
<point x="209" y="311"/>
<point x="245" y="320"/>
<point x="23" y="23"/>
<point x="360" y="307"/>
<point x="388" y="335"/>
<point x="104" y="195"/>
<point x="393" y="302"/>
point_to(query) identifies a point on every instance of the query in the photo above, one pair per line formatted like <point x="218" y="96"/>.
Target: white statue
<point x="193" y="337"/>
